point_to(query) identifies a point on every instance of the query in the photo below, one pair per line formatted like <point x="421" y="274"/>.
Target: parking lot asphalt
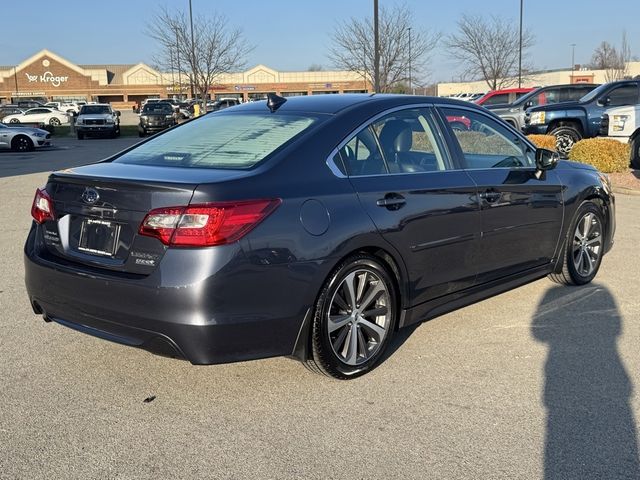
<point x="539" y="382"/>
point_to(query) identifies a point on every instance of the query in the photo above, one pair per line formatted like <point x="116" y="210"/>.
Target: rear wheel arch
<point x="398" y="275"/>
<point x="320" y="354"/>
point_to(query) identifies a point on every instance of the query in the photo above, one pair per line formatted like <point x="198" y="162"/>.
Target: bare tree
<point x="604" y="56"/>
<point x="488" y="49"/>
<point x="216" y="48"/>
<point x="613" y="61"/>
<point x="404" y="48"/>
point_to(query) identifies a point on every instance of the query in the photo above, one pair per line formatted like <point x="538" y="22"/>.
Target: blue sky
<point x="293" y="34"/>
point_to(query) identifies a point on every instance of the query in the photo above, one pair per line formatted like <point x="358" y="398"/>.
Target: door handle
<point x="391" y="201"/>
<point x="490" y="196"/>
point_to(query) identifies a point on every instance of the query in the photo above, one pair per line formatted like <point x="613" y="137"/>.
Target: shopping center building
<point x="51" y="77"/>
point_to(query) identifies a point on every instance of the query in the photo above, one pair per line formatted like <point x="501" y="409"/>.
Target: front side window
<point x="624" y="95"/>
<point x="487" y="144"/>
<point x="234" y="141"/>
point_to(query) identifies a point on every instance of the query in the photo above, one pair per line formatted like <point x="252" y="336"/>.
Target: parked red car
<point x="508" y="95"/>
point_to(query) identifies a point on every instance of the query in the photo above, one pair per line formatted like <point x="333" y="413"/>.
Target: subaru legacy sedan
<point x="311" y="227"/>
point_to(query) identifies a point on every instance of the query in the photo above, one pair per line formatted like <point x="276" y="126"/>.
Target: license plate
<point x="99" y="237"/>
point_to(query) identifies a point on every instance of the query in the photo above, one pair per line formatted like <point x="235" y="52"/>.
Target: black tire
<point x="635" y="153"/>
<point x="14" y="120"/>
<point x="586" y="252"/>
<point x="21" y="143"/>
<point x="141" y="133"/>
<point x="332" y="352"/>
<point x="54" y="121"/>
<point x="566" y="138"/>
<point x="80" y="136"/>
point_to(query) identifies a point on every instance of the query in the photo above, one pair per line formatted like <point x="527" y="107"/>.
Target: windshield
<point x="236" y="141"/>
<point x="94" y="110"/>
<point x="593" y="93"/>
<point x="160" y="108"/>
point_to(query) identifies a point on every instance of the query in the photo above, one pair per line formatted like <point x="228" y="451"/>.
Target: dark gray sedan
<point x="312" y="227"/>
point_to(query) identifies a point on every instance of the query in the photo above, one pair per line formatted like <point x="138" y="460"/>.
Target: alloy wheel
<point x="564" y="144"/>
<point x="359" y="316"/>
<point x="587" y="244"/>
<point x="22" y="144"/>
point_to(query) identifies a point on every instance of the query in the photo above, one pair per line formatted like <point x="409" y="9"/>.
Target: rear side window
<point x="236" y="141"/>
<point x="400" y="142"/>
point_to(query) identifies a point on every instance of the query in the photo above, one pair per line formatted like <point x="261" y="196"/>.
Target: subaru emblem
<point x="90" y="195"/>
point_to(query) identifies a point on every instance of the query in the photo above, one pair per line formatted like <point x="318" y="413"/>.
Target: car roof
<point x="332" y="104"/>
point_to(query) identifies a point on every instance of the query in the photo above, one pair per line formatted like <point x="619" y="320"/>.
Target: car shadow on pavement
<point x="398" y="339"/>
<point x="591" y="432"/>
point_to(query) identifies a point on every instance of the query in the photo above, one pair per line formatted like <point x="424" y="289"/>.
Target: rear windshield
<point x="94" y="110"/>
<point x="236" y="141"/>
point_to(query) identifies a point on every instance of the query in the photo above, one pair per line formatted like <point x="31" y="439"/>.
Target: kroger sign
<point x="47" y="77"/>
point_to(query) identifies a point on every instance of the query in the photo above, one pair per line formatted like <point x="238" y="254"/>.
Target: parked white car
<point x="69" y="107"/>
<point x="39" y="115"/>
<point x="623" y="124"/>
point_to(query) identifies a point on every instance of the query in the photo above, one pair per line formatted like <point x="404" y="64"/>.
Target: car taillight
<point x="42" y="208"/>
<point x="206" y="225"/>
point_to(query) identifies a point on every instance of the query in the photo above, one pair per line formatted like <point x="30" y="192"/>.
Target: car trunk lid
<point x="99" y="209"/>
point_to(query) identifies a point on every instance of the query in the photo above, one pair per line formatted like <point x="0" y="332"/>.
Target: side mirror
<point x="604" y="101"/>
<point x="546" y="159"/>
<point x="529" y="104"/>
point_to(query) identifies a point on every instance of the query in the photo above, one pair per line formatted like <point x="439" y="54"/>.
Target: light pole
<point x="178" y="61"/>
<point x="573" y="60"/>
<point x="193" y="52"/>
<point x="376" y="49"/>
<point x="15" y="79"/>
<point x="410" y="89"/>
<point x="520" y="49"/>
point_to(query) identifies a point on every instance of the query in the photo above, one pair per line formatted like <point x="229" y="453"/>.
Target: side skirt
<point x="454" y="301"/>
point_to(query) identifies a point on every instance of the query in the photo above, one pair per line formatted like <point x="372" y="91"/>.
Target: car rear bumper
<point x="215" y="318"/>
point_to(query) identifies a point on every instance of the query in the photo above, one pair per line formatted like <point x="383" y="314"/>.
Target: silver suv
<point x="98" y="119"/>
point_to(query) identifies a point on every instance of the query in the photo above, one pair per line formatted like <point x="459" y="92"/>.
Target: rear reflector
<point x="42" y="208"/>
<point x="206" y="225"/>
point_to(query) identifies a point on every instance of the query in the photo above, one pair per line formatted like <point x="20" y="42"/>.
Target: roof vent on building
<point x="274" y="102"/>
